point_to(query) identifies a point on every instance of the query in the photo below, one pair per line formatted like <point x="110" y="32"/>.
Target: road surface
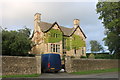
<point x="67" y="75"/>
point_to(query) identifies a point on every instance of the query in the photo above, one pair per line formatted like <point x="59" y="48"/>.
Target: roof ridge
<point x="45" y="26"/>
<point x="57" y="23"/>
<point x="47" y="22"/>
<point x="66" y="27"/>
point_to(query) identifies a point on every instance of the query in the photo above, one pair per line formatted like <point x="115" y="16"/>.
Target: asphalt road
<point x="67" y="75"/>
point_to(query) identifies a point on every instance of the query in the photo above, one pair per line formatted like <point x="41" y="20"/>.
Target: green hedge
<point x="91" y="56"/>
<point x="83" y="57"/>
<point x="104" y="56"/>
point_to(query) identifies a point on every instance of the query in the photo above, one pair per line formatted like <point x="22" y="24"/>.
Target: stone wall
<point x="14" y="65"/>
<point x="78" y="52"/>
<point x="75" y="65"/>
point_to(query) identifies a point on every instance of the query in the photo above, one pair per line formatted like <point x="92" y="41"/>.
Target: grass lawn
<point x="14" y="76"/>
<point x="97" y="71"/>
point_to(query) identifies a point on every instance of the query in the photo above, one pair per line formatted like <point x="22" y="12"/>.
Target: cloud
<point x="16" y="15"/>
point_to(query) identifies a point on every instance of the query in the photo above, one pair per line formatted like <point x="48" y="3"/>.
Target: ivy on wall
<point x="67" y="43"/>
<point x="53" y="36"/>
<point x="75" y="42"/>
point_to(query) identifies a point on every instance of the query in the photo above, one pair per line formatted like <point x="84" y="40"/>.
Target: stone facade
<point x="41" y="29"/>
<point x="77" y="65"/>
<point x="14" y="65"/>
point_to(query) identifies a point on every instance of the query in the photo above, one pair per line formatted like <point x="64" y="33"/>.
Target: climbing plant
<point x="53" y="36"/>
<point x="67" y="43"/>
<point x="75" y="42"/>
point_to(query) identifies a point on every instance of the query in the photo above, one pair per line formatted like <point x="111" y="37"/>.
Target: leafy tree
<point x="110" y="15"/>
<point x="16" y="43"/>
<point x="0" y="40"/>
<point x="95" y="46"/>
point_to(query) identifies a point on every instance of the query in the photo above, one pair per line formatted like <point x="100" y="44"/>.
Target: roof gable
<point x="80" y="30"/>
<point x="45" y="27"/>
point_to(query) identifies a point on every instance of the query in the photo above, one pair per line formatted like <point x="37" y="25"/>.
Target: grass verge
<point x="15" y="76"/>
<point x="97" y="71"/>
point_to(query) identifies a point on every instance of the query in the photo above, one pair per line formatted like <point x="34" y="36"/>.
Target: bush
<point x="31" y="55"/>
<point x="116" y="55"/>
<point x="83" y="57"/>
<point x="72" y="56"/>
<point x="91" y="56"/>
<point x="16" y="43"/>
<point x="103" y="56"/>
<point x="63" y="57"/>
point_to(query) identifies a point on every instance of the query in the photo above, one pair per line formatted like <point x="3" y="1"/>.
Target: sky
<point x="17" y="15"/>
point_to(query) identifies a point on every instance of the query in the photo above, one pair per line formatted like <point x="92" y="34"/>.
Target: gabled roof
<point x="66" y="31"/>
<point x="80" y="30"/>
<point x="44" y="26"/>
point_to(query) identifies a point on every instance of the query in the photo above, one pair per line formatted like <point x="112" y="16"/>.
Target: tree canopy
<point x="95" y="46"/>
<point x="110" y="16"/>
<point x="16" y="43"/>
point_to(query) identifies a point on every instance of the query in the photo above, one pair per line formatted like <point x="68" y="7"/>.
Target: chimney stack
<point x="37" y="17"/>
<point x="76" y="22"/>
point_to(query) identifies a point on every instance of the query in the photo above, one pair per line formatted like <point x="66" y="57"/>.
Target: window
<point x="54" y="35"/>
<point x="58" y="48"/>
<point x="64" y="52"/>
<point x="57" y="35"/>
<point x="64" y="44"/>
<point x="82" y="50"/>
<point x="51" y="48"/>
<point x="75" y="50"/>
<point x="55" y="48"/>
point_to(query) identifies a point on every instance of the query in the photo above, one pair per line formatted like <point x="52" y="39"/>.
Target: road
<point x="67" y="75"/>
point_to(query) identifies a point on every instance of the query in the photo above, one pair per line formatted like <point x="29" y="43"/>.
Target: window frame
<point x="55" y="47"/>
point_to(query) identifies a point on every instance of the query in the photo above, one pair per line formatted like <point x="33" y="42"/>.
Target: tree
<point x="95" y="46"/>
<point x="16" y="43"/>
<point x="110" y="15"/>
<point x="0" y="40"/>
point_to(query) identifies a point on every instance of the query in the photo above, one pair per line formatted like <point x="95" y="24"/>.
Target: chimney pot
<point x="37" y="17"/>
<point x="76" y="22"/>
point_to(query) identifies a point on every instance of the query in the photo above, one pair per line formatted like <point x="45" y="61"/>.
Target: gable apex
<point x="45" y="27"/>
<point x="80" y="30"/>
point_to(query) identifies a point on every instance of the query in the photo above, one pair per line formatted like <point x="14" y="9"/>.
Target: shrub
<point x="103" y="56"/>
<point x="83" y="57"/>
<point x="16" y="43"/>
<point x="72" y="56"/>
<point x="91" y="56"/>
<point x="63" y="57"/>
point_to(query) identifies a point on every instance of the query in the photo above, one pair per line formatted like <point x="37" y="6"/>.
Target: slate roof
<point x="44" y="26"/>
<point x="66" y="31"/>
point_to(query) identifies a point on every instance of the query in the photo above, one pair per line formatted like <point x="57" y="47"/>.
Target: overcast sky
<point x="16" y="15"/>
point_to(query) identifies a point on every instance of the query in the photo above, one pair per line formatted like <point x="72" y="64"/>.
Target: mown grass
<point x="15" y="76"/>
<point x="97" y="71"/>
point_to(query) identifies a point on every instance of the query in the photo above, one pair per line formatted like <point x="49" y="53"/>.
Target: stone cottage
<point x="53" y="38"/>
